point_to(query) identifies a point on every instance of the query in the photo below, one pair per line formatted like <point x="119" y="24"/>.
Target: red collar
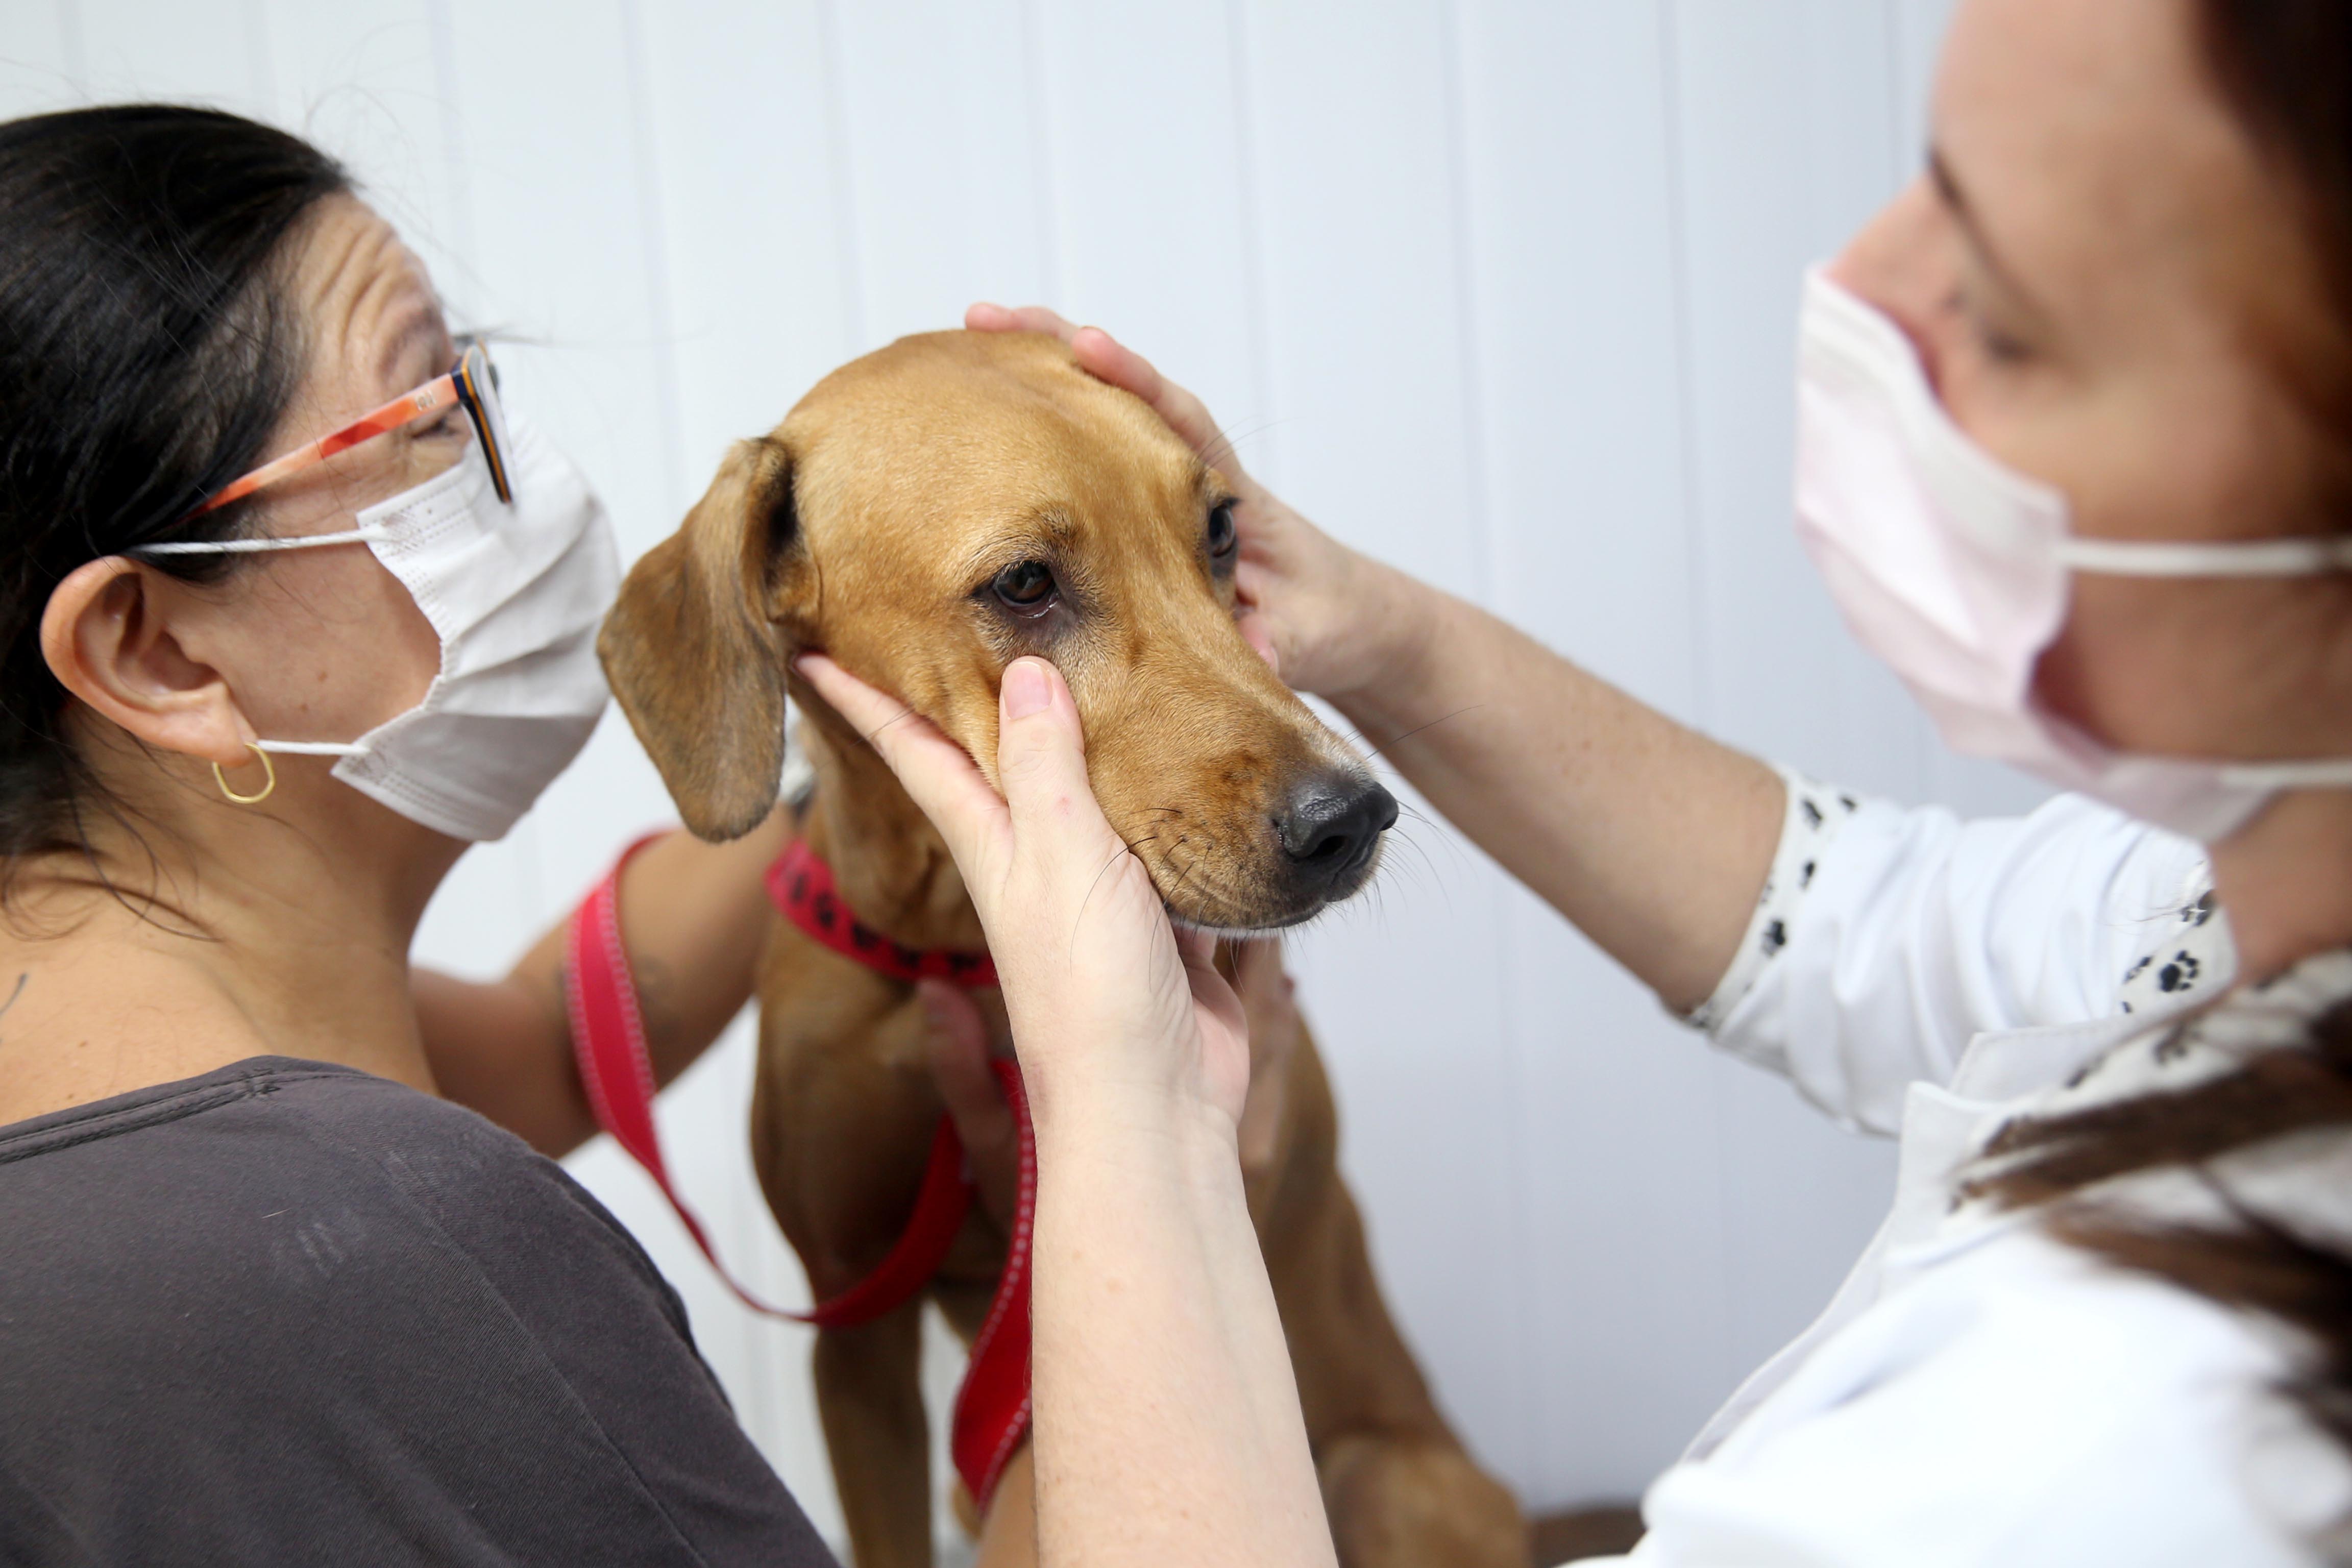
<point x="801" y="886"/>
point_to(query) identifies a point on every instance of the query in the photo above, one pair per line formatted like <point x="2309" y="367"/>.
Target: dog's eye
<point x="1025" y="585"/>
<point x="1222" y="535"/>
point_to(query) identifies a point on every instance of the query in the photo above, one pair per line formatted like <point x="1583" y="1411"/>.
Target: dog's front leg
<point x="870" y="1392"/>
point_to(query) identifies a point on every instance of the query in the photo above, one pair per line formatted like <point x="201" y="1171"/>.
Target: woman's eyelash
<point x="2002" y="348"/>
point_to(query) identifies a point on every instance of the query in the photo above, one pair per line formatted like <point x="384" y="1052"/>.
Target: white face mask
<point x="1954" y="569"/>
<point x="515" y="593"/>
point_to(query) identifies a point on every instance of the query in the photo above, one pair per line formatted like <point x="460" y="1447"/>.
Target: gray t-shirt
<point x="290" y="1313"/>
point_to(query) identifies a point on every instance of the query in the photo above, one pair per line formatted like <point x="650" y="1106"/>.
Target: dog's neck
<point x="889" y="863"/>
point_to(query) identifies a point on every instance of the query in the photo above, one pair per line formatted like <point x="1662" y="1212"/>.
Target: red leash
<point x="608" y="1037"/>
<point x="991" y="1404"/>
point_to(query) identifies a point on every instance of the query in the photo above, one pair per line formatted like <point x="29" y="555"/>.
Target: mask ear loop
<point x="269" y="775"/>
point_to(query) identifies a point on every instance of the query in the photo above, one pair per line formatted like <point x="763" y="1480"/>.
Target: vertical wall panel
<point x="1149" y="206"/>
<point x="567" y="268"/>
<point x="39" y="50"/>
<point x="365" y="84"/>
<point x="1787" y="120"/>
<point x="762" y="305"/>
<point x="1355" y="132"/>
<point x="207" y="54"/>
<point x="1919" y="27"/>
<point x="944" y="146"/>
<point x="1356" y="189"/>
<point x="1783" y="118"/>
<point x="1577" y="328"/>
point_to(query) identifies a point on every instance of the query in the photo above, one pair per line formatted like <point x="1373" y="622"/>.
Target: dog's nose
<point x="1332" y="823"/>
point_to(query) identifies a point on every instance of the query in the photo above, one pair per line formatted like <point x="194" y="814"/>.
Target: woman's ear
<point x="107" y="637"/>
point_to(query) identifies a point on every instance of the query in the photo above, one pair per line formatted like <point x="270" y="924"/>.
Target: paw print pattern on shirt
<point x="1816" y="812"/>
<point x="2189" y="957"/>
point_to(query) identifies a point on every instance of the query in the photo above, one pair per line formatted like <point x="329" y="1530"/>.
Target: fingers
<point x="1253" y="581"/>
<point x="1107" y="359"/>
<point x="957" y="1043"/>
<point x="1254" y="632"/>
<point x="1212" y="994"/>
<point x="935" y="771"/>
<point x="1041" y="754"/>
<point x="1198" y="947"/>
<point x="987" y="318"/>
<point x="1257" y="968"/>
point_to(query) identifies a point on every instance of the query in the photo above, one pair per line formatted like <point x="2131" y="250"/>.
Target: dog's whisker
<point x="1443" y="835"/>
<point x="1226" y="443"/>
<point x="1384" y="747"/>
<point x="900" y="717"/>
<point x="1184" y="873"/>
<point x="1079" y="919"/>
<point x="1203" y="890"/>
<point x="1406" y="837"/>
<point x="1428" y="862"/>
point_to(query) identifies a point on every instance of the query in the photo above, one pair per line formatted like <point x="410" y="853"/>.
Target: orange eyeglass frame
<point x="472" y="386"/>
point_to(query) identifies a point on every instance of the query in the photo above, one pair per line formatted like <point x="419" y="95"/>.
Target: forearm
<point x="1168" y="1425"/>
<point x="1653" y="840"/>
<point x="693" y="918"/>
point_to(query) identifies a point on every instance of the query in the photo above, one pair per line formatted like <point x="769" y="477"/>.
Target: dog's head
<point x="937" y="509"/>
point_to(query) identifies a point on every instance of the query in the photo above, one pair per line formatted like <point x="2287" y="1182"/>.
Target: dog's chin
<point x="1225" y="932"/>
<point x="1275" y="911"/>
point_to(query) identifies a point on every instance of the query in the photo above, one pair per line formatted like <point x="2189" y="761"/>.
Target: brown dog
<point x="926" y="515"/>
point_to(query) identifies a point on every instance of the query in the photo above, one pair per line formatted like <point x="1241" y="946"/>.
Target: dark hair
<point x="147" y="352"/>
<point x="2285" y="68"/>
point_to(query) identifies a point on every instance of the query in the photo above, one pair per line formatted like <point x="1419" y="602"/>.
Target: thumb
<point x="1256" y="633"/>
<point x="1041" y="751"/>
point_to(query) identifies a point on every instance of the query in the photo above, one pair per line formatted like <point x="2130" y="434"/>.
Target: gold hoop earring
<point x="269" y="778"/>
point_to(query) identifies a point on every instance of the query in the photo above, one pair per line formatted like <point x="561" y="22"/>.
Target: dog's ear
<point x="698" y="644"/>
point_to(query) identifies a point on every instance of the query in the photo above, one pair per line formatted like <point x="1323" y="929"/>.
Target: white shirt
<point x="1978" y="1393"/>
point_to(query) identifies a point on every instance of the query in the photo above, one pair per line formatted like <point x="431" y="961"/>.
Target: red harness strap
<point x="608" y="1041"/>
<point x="800" y="884"/>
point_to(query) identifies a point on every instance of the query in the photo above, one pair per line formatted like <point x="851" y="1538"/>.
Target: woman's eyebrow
<point x="420" y="327"/>
<point x="1956" y="198"/>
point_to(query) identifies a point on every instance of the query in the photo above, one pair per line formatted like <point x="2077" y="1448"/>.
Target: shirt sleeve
<point x="1809" y="825"/>
<point x="1887" y="938"/>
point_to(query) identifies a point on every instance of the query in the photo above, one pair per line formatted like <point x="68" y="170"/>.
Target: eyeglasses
<point x="472" y="386"/>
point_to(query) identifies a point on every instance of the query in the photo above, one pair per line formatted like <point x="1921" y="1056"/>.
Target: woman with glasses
<point x="291" y="613"/>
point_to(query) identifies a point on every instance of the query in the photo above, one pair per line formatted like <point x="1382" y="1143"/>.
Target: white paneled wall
<point x="1501" y="290"/>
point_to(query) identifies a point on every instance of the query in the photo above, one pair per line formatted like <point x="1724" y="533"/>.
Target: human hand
<point x="1112" y="1008"/>
<point x="1328" y="615"/>
<point x="957" y="1042"/>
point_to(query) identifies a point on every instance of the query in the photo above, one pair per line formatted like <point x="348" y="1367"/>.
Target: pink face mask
<point x="1954" y="569"/>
